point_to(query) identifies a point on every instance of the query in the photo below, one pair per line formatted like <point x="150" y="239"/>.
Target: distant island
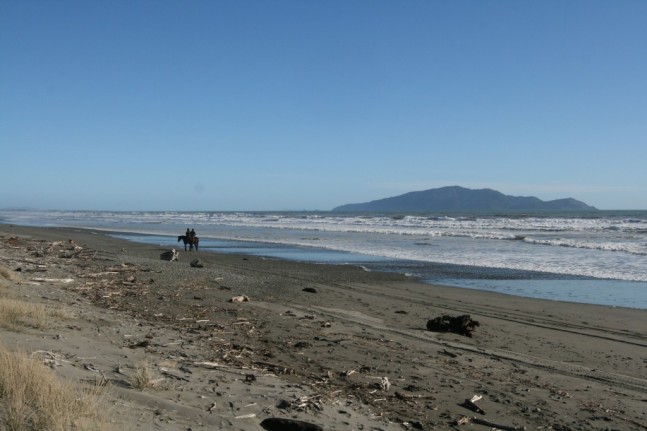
<point x="456" y="198"/>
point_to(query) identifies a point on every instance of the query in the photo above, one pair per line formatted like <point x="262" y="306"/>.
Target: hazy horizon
<point x="27" y="208"/>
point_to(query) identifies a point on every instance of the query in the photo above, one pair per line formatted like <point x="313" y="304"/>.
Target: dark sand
<point x="319" y="357"/>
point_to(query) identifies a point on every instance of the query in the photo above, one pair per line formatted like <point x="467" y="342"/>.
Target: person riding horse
<point x="189" y="238"/>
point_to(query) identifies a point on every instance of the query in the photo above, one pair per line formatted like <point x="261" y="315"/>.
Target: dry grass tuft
<point x="5" y="275"/>
<point x="144" y="376"/>
<point x="33" y="398"/>
<point x="15" y="314"/>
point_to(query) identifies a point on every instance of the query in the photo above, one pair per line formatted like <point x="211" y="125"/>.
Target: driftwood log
<point x="462" y="325"/>
<point x="471" y="404"/>
<point x="493" y="425"/>
<point x="280" y="424"/>
<point x="239" y="299"/>
<point x="171" y="255"/>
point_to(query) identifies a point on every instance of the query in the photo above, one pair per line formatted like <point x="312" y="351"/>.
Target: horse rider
<point x="188" y="233"/>
<point x="192" y="233"/>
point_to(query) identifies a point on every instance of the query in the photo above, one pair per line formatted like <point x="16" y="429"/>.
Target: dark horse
<point x="190" y="241"/>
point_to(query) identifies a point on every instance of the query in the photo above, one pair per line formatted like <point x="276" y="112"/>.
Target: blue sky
<point x="292" y="105"/>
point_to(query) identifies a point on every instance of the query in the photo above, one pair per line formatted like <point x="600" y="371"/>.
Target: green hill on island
<point x="456" y="198"/>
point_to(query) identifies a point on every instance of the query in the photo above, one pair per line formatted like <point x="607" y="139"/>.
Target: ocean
<point x="590" y="257"/>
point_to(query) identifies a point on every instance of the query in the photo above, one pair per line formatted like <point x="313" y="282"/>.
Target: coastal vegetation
<point x="15" y="314"/>
<point x="32" y="397"/>
<point x="143" y="377"/>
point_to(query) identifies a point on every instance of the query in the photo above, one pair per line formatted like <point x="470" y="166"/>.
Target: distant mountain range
<point x="455" y="198"/>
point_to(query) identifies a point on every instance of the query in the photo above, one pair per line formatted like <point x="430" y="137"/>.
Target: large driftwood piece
<point x="471" y="404"/>
<point x="280" y="424"/>
<point x="462" y="325"/>
<point x="170" y="255"/>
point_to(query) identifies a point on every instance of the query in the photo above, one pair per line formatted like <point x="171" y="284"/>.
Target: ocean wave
<point x="603" y="247"/>
<point x="418" y="223"/>
<point x="368" y="223"/>
<point x="635" y="249"/>
<point x="567" y="264"/>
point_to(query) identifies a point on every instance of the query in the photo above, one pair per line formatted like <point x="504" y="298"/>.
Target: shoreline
<point x="571" y="267"/>
<point x="516" y="282"/>
<point x="536" y="363"/>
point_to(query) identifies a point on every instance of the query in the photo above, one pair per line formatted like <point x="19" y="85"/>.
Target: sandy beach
<point x="333" y="346"/>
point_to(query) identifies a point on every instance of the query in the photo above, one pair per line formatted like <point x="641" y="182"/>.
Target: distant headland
<point x="456" y="198"/>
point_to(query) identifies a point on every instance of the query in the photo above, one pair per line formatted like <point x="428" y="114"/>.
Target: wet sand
<point x="322" y="355"/>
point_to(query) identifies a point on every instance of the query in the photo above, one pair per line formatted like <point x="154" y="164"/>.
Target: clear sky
<point x="293" y="105"/>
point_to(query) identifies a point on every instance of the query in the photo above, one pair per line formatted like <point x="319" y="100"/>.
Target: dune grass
<point x="143" y="377"/>
<point x="6" y="273"/>
<point x="16" y="314"/>
<point x="33" y="398"/>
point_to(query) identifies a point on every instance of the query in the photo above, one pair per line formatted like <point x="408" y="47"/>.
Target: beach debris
<point x="301" y="345"/>
<point x="166" y="372"/>
<point x="410" y="397"/>
<point x="281" y="424"/>
<point x="209" y="365"/>
<point x="417" y="425"/>
<point x="310" y="289"/>
<point x="196" y="263"/>
<point x="239" y="299"/>
<point x="13" y="242"/>
<point x="91" y="367"/>
<point x="118" y="369"/>
<point x="302" y="403"/>
<point x="275" y="368"/>
<point x="52" y="280"/>
<point x="249" y="378"/>
<point x="171" y="255"/>
<point x="462" y="325"/>
<point x="383" y="384"/>
<point x="348" y="373"/>
<point x="558" y="394"/>
<point x="464" y="420"/>
<point x="144" y="343"/>
<point x="493" y="425"/>
<point x="283" y="404"/>
<point x="50" y="359"/>
<point x="124" y="267"/>
<point x="184" y="368"/>
<point x="470" y="403"/>
<point x="448" y="353"/>
<point x="212" y="407"/>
